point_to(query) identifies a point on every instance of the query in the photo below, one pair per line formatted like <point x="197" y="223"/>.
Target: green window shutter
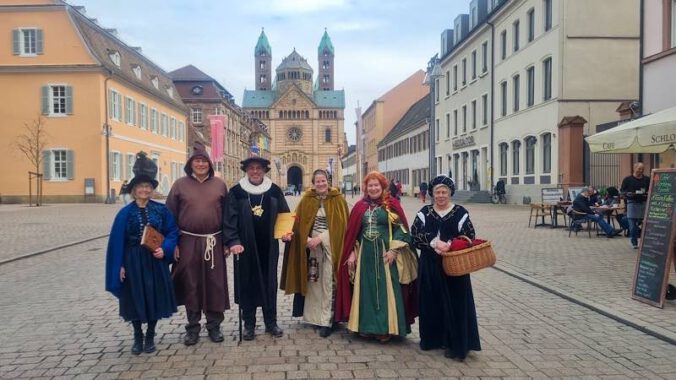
<point x="69" y="100"/>
<point x="70" y="164"/>
<point x="45" y="100"/>
<point x="39" y="41"/>
<point x="47" y="164"/>
<point x="133" y="112"/>
<point x="140" y="122"/>
<point x="16" y="42"/>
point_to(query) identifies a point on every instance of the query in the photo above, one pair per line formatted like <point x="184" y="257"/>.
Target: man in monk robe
<point x="253" y="205"/>
<point x="198" y="202"/>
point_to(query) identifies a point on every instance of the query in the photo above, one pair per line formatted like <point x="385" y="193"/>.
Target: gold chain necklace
<point x="258" y="209"/>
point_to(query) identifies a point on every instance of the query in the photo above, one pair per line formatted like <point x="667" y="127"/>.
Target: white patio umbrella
<point x="654" y="133"/>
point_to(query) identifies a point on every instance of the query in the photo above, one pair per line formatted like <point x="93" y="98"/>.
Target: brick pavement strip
<point x="62" y="324"/>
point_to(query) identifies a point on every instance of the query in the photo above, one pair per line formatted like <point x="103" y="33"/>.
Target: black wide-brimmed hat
<point x="145" y="171"/>
<point x="257" y="159"/>
<point x="441" y="180"/>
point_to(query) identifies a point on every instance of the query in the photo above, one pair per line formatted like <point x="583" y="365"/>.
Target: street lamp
<point x="433" y="73"/>
<point x="331" y="171"/>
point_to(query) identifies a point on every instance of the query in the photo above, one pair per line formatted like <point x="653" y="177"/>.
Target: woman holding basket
<point x="447" y="312"/>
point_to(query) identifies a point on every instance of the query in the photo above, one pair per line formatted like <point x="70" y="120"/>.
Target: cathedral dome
<point x="294" y="61"/>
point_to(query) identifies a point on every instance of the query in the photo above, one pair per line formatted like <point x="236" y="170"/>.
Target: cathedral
<point x="304" y="114"/>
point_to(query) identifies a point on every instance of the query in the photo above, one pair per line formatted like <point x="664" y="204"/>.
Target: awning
<point x="654" y="133"/>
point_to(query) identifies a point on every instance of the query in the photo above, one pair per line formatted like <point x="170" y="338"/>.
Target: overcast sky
<point x="378" y="43"/>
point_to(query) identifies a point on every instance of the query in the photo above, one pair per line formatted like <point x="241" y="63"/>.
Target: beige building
<point x="304" y="119"/>
<point x="561" y="68"/>
<point x="659" y="66"/>
<point x="384" y="112"/>
<point x="99" y="99"/>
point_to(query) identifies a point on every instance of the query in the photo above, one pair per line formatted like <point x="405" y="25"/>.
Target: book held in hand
<point x="152" y="238"/>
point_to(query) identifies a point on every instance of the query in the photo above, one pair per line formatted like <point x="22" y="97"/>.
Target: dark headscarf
<point x="441" y="180"/>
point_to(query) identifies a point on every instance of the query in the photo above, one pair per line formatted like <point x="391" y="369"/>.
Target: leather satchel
<point x="152" y="238"/>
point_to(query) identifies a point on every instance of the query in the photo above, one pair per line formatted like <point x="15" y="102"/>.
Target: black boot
<point x="274" y="330"/>
<point x="137" y="348"/>
<point x="325" y="331"/>
<point x="149" y="345"/>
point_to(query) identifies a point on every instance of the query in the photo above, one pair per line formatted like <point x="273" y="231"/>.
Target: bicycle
<point x="498" y="198"/>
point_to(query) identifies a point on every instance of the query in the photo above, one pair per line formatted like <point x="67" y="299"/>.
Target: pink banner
<point x="217" y="124"/>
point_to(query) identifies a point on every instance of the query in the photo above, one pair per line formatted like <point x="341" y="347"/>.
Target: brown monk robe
<point x="197" y="202"/>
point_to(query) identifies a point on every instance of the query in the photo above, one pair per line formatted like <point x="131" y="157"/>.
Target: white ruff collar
<point x="255" y="189"/>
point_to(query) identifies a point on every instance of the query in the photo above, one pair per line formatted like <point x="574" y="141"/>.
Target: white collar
<point x="255" y="189"/>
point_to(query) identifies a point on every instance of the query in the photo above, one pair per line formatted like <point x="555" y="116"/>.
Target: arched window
<point x="503" y="159"/>
<point x="547" y="153"/>
<point x="516" y="150"/>
<point x="530" y="154"/>
<point x="327" y="135"/>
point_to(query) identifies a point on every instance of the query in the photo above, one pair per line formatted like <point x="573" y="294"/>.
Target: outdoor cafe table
<point x="555" y="208"/>
<point x="608" y="212"/>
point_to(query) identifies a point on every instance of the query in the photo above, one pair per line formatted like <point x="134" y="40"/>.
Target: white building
<point x="403" y="154"/>
<point x="349" y="164"/>
<point x="462" y="101"/>
<point x="556" y="59"/>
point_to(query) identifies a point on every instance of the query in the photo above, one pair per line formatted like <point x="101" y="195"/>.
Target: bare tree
<point x="33" y="141"/>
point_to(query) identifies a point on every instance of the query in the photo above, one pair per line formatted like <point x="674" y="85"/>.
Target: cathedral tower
<point x="263" y="62"/>
<point x="325" y="57"/>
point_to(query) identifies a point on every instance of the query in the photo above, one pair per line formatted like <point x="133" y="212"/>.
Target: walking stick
<point x="239" y="300"/>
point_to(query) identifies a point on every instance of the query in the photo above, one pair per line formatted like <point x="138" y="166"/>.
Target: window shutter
<point x="47" y="164"/>
<point x="16" y="43"/>
<point x="39" y="41"/>
<point x="110" y="104"/>
<point x="70" y="164"/>
<point x="45" y="100"/>
<point x="69" y="100"/>
<point x="139" y="116"/>
<point x="110" y="164"/>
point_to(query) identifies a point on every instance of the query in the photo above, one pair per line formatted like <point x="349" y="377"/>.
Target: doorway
<point x="294" y="176"/>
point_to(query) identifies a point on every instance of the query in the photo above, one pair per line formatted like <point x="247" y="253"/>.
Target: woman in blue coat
<point x="138" y="277"/>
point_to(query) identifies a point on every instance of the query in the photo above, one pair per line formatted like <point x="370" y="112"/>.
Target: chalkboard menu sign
<point x="657" y="239"/>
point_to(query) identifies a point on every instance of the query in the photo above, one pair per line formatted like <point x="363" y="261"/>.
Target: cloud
<point x="281" y="8"/>
<point x="353" y="26"/>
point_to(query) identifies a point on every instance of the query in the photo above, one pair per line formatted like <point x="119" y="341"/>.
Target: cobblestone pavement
<point x="25" y="230"/>
<point x="59" y="323"/>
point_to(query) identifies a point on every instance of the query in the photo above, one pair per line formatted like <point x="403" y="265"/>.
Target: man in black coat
<point x="252" y="208"/>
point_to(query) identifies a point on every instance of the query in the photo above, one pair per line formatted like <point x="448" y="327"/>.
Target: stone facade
<point x="304" y="119"/>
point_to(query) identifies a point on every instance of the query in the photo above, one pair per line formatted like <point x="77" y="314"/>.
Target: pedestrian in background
<point x="124" y="192"/>
<point x="635" y="190"/>
<point x="382" y="302"/>
<point x="447" y="312"/>
<point x="311" y="258"/>
<point x="253" y="206"/>
<point x="198" y="200"/>
<point x="423" y="191"/>
<point x="138" y="277"/>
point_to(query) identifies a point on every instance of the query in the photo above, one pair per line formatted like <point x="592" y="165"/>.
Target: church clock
<point x="294" y="134"/>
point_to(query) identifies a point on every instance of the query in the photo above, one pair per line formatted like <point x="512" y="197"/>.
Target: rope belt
<point x="211" y="243"/>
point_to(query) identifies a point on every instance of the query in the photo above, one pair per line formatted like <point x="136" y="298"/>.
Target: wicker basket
<point x="459" y="263"/>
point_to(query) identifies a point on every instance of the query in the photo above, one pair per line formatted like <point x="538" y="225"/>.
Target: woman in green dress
<point x="380" y="301"/>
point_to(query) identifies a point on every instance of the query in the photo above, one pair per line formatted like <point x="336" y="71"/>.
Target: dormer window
<point x="170" y="91"/>
<point x="137" y="71"/>
<point x="155" y="81"/>
<point x="115" y="57"/>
